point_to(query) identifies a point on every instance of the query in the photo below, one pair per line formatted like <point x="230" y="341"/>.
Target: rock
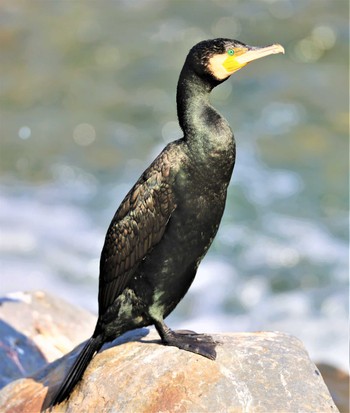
<point x="52" y="324"/>
<point x="337" y="382"/>
<point x="36" y="328"/>
<point x="253" y="372"/>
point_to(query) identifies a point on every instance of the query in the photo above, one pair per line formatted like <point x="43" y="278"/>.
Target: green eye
<point x="230" y="52"/>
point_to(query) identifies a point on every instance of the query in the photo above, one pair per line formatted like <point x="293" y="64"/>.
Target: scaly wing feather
<point x="136" y="228"/>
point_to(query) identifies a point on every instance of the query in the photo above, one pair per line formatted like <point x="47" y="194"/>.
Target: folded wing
<point x="136" y="228"/>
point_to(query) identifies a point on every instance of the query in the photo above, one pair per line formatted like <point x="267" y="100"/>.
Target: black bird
<point x="168" y="220"/>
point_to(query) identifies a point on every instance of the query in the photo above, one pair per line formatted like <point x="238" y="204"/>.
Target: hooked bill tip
<point x="258" y="52"/>
<point x="278" y="48"/>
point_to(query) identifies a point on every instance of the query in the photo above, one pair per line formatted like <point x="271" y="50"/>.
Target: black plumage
<point x="168" y="220"/>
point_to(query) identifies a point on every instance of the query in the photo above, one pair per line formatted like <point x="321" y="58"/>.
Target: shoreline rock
<point x="253" y="372"/>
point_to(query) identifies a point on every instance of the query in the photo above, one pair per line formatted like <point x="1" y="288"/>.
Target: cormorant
<point x="168" y="220"/>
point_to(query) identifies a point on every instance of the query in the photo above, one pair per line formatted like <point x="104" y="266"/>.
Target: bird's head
<point x="220" y="58"/>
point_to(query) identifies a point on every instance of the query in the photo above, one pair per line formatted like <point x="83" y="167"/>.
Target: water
<point x="87" y="100"/>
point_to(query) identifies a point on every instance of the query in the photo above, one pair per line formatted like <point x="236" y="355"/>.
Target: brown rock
<point x="338" y="382"/>
<point x="36" y="328"/>
<point x="51" y="324"/>
<point x="254" y="372"/>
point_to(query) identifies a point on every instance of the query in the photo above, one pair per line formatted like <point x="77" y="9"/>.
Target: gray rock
<point x="254" y="372"/>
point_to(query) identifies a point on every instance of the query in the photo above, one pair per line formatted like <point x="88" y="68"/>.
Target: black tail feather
<point x="77" y="370"/>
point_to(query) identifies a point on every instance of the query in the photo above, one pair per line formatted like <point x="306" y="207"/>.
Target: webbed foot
<point x="201" y="344"/>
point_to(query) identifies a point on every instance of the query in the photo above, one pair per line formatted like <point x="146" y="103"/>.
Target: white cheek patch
<point x="216" y="66"/>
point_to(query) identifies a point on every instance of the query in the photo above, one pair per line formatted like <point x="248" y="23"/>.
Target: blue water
<point x="93" y="101"/>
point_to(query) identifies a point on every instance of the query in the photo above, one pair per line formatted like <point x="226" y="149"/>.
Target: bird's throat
<point x="192" y="97"/>
<point x="208" y="135"/>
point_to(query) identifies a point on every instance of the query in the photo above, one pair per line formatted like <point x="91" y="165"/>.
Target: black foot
<point x="201" y="344"/>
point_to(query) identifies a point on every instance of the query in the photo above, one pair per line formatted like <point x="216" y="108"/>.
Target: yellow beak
<point x="258" y="52"/>
<point x="247" y="54"/>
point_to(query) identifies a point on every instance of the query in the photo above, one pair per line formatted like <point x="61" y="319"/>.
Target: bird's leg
<point x="187" y="340"/>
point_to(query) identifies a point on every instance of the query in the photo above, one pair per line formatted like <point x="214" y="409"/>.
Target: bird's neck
<point x="192" y="98"/>
<point x="206" y="132"/>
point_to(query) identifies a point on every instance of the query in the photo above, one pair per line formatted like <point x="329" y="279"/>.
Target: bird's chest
<point x="200" y="205"/>
<point x="190" y="232"/>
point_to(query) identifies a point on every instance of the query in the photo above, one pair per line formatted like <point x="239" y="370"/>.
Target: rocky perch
<point x="254" y="372"/>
